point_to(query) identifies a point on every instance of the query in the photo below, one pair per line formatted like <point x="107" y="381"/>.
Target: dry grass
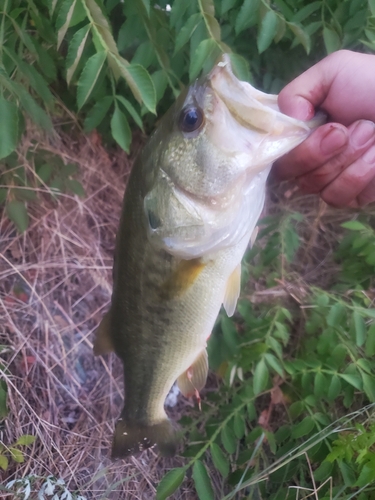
<point x="62" y="265"/>
<point x="55" y="286"/>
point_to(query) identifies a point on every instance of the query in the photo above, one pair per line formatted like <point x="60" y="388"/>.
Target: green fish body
<point x="191" y="205"/>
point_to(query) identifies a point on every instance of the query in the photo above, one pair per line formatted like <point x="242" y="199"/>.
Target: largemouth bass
<point x="192" y="203"/>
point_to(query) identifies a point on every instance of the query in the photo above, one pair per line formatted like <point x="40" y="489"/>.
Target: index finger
<point x="311" y="154"/>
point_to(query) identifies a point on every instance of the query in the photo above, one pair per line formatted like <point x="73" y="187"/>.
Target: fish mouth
<point x="256" y="110"/>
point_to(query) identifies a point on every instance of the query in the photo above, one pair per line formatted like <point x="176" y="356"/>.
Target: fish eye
<point x="190" y="119"/>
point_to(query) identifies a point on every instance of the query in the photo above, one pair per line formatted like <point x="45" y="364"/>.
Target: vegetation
<point x="294" y="407"/>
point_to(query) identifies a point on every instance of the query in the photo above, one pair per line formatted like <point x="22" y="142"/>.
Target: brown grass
<point x="55" y="287"/>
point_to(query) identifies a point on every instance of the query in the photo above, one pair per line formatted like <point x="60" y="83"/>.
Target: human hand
<point x="338" y="159"/>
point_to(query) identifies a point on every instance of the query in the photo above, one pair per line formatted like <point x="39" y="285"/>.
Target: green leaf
<point x="131" y="110"/>
<point x="213" y="27"/>
<point x="3" y="399"/>
<point x="45" y="62"/>
<point x="353" y="380"/>
<point x="240" y="67"/>
<point x="303" y="428"/>
<point x="261" y="377"/>
<point x="204" y="50"/>
<point x="301" y="36"/>
<point x="219" y="459"/>
<point x="8" y="127"/>
<point x="120" y="129"/>
<point x="186" y="31"/>
<point x="3" y="462"/>
<point x="17" y="213"/>
<point x="228" y="439"/>
<point x="295" y="409"/>
<point x="306" y="11"/>
<point x="331" y="39"/>
<point x="160" y="82"/>
<point x="247" y="15"/>
<point x="370" y="341"/>
<point x="239" y="425"/>
<point x="76" y="46"/>
<point x="369" y="386"/>
<point x="23" y="35"/>
<point x="371" y="4"/>
<point x="227" y="5"/>
<point x="63" y="19"/>
<point x="366" y="312"/>
<point x="347" y="472"/>
<point x="170" y="482"/>
<point x="89" y="77"/>
<point x="25" y="440"/>
<point x="324" y="471"/>
<point x="34" y="78"/>
<point x="354" y="225"/>
<point x="146" y="4"/>
<point x="251" y="411"/>
<point x="365" y="365"/>
<point x="274" y="363"/>
<point x="202" y="481"/>
<point x="24" y="194"/>
<point x="267" y="31"/>
<point x="335" y="315"/>
<point x="36" y="113"/>
<point x="76" y="187"/>
<point x="17" y="455"/>
<point x="281" y="29"/>
<point x="179" y="9"/>
<point x="360" y="329"/>
<point x="144" y="84"/>
<point x="334" y="388"/>
<point x="320" y="385"/>
<point x="97" y="113"/>
<point x="367" y="476"/>
<point x="69" y="169"/>
<point x="38" y="83"/>
<point x="230" y="334"/>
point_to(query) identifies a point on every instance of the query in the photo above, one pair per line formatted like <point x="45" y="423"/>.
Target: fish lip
<point x="248" y="99"/>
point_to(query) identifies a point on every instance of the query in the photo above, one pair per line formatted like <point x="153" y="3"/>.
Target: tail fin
<point x="131" y="439"/>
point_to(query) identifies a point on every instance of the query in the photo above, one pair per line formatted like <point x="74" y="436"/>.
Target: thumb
<point x="308" y="91"/>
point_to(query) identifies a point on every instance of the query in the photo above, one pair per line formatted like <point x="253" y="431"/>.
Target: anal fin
<point x="103" y="341"/>
<point x="232" y="291"/>
<point x="194" y="379"/>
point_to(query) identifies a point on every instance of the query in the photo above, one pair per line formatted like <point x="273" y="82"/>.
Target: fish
<point x="191" y="206"/>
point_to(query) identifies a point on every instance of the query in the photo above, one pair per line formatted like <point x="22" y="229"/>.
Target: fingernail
<point x="369" y="156"/>
<point x="304" y="110"/>
<point x="334" y="140"/>
<point x="363" y="131"/>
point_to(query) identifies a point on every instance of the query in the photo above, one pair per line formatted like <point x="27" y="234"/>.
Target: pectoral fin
<point x="232" y="291"/>
<point x="185" y="274"/>
<point x="103" y="340"/>
<point x="194" y="379"/>
<point x="254" y="235"/>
